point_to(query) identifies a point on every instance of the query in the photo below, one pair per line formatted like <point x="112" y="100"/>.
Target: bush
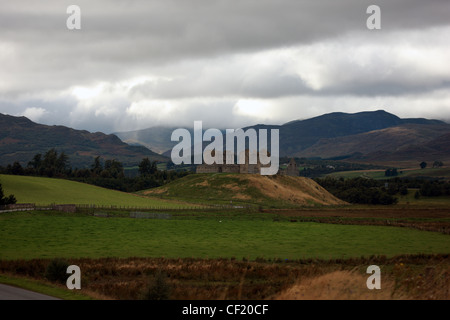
<point x="5" y="200"/>
<point x="158" y="288"/>
<point x="57" y="271"/>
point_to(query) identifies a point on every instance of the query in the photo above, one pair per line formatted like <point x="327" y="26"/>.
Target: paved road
<point x="13" y="293"/>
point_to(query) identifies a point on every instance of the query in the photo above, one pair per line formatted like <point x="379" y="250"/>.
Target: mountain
<point x="297" y="136"/>
<point x="435" y="149"/>
<point x="21" y="139"/>
<point x="332" y="135"/>
<point x="364" y="136"/>
<point x="392" y="139"/>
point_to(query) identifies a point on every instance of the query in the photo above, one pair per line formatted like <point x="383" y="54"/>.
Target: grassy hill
<point x="246" y="189"/>
<point x="44" y="191"/>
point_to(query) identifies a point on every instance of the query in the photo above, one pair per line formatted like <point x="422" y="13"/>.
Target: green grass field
<point x="44" y="191"/>
<point x="47" y="235"/>
<point x="43" y="287"/>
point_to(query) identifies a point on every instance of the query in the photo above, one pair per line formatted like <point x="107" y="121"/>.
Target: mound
<point x="270" y="191"/>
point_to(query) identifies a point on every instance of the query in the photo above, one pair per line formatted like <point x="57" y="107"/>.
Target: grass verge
<point x="43" y="287"/>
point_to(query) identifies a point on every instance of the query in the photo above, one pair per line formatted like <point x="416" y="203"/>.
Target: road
<point x="13" y="293"/>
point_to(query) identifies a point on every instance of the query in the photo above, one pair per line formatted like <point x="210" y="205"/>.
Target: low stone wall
<point x="19" y="206"/>
<point x="71" y="208"/>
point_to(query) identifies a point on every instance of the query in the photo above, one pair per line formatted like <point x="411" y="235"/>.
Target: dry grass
<point x="338" y="285"/>
<point x="298" y="190"/>
<point x="403" y="277"/>
<point x="250" y="188"/>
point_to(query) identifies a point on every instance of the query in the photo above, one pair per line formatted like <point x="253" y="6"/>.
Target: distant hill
<point x="21" y="139"/>
<point x="395" y="140"/>
<point x="242" y="189"/>
<point x="432" y="150"/>
<point x="333" y="135"/>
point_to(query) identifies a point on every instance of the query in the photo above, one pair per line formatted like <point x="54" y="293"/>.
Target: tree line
<point x="370" y="191"/>
<point x="358" y="190"/>
<point x="108" y="173"/>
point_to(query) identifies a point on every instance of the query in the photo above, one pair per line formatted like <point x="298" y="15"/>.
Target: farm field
<point x="264" y="252"/>
<point x="45" y="191"/>
<point x="49" y="235"/>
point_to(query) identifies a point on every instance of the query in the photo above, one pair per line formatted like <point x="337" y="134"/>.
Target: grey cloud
<point x="205" y="47"/>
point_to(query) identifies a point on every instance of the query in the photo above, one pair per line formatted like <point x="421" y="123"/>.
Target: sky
<point x="136" y="64"/>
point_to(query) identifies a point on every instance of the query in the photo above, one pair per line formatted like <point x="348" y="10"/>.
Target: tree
<point x="158" y="288"/>
<point x="96" y="167"/>
<point x="6" y="200"/>
<point x="36" y="163"/>
<point x="62" y="163"/>
<point x="17" y="169"/>
<point x="113" y="169"/>
<point x="147" y="168"/>
<point x="391" y="172"/>
<point x="437" y="164"/>
<point x="423" y="165"/>
<point x="403" y="190"/>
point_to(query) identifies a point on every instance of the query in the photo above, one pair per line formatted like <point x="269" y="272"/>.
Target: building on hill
<point x="290" y="170"/>
<point x="232" y="168"/>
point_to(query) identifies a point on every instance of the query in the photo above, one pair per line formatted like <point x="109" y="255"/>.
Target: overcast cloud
<point x="138" y="64"/>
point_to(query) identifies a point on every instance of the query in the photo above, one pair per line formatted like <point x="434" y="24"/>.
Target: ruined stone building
<point x="231" y="168"/>
<point x="291" y="169"/>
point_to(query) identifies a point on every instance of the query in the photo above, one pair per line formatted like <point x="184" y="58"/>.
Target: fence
<point x="91" y="208"/>
<point x="150" y="215"/>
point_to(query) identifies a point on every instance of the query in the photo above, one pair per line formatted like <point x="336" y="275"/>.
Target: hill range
<point x="21" y="139"/>
<point x="375" y="136"/>
<point x="365" y="136"/>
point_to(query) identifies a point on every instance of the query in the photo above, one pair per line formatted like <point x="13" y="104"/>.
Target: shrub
<point x="57" y="271"/>
<point x="158" y="288"/>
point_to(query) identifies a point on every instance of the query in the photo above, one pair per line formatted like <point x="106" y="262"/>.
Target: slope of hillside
<point x="21" y="139"/>
<point x="391" y="139"/>
<point x="224" y="188"/>
<point x="155" y="138"/>
<point x="45" y="191"/>
<point x="436" y="149"/>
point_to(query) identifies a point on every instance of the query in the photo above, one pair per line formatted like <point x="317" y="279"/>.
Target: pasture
<point x="44" y="191"/>
<point x="29" y="235"/>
